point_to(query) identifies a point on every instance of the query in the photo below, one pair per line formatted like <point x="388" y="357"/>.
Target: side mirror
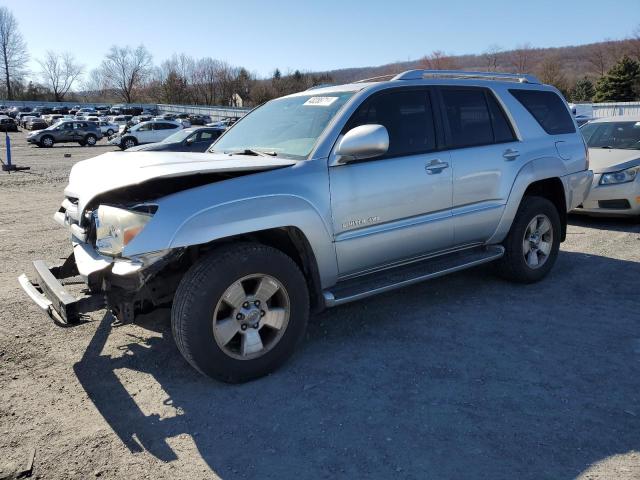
<point x="365" y="141"/>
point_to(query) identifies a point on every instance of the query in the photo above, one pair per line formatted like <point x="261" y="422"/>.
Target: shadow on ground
<point x="463" y="377"/>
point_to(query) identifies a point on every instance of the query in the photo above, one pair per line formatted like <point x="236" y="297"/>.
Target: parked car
<point x="84" y="133"/>
<point x="141" y="118"/>
<point x="41" y="110"/>
<point x="53" y="118"/>
<point x="86" y="111"/>
<point x="73" y="110"/>
<point x="317" y="199"/>
<point x="145" y="132"/>
<point x="186" y="140"/>
<point x="108" y="128"/>
<point x="8" y="124"/>
<point x="61" y="110"/>
<point x="199" y="119"/>
<point x="36" y="123"/>
<point x="224" y="123"/>
<point x="614" y="156"/>
<point x="22" y="121"/>
<point x="20" y="115"/>
<point x="14" y="111"/>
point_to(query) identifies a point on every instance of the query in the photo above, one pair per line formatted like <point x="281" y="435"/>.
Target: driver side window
<point x="145" y="128"/>
<point x="408" y="117"/>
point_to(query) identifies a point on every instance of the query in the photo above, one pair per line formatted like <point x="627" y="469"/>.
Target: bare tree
<point x="550" y="72"/>
<point x="601" y="56"/>
<point x="124" y="70"/>
<point x="437" y="60"/>
<point x="59" y="72"/>
<point x="521" y="58"/>
<point x="13" y="50"/>
<point x="492" y="56"/>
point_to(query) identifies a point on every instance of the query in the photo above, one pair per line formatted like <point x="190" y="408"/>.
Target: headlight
<point x="116" y="227"/>
<point x="623" y="176"/>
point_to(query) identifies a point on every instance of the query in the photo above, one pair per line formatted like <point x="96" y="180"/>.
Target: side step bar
<point x="385" y="280"/>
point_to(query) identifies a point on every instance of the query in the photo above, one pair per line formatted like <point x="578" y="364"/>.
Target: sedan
<point x="614" y="157"/>
<point x="187" y="140"/>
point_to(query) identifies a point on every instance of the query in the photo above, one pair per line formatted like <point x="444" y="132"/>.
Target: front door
<point x="397" y="206"/>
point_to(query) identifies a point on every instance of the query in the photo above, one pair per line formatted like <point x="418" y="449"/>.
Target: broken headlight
<point x="116" y="227"/>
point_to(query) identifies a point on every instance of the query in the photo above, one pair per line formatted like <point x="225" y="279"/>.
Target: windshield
<point x="177" y="137"/>
<point x="287" y="126"/>
<point x="622" y="135"/>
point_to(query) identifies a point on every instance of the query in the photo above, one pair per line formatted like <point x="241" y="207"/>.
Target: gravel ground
<point x="463" y="377"/>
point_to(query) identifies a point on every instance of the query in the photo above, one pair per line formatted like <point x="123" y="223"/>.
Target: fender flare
<point x="542" y="168"/>
<point x="254" y="214"/>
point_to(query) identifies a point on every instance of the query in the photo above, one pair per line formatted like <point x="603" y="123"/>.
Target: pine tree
<point x="583" y="91"/>
<point x="621" y="82"/>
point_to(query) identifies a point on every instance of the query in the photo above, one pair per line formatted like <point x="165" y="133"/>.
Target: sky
<point x="313" y="36"/>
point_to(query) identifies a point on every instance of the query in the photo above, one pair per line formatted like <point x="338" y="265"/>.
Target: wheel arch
<point x="541" y="177"/>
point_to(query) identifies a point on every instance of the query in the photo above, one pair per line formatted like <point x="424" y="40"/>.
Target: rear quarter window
<point x="547" y="108"/>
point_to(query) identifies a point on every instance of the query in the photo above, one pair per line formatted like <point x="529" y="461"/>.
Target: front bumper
<point x="48" y="293"/>
<point x="624" y="197"/>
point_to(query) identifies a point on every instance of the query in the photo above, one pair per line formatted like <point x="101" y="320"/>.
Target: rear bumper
<point x="48" y="293"/>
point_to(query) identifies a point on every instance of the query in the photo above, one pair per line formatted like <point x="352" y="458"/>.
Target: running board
<point x="385" y="280"/>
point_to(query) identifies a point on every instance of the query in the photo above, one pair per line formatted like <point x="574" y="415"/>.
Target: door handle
<point x="435" y="166"/>
<point x="510" y="154"/>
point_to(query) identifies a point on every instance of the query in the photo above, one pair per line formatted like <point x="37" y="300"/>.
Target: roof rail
<point x="420" y="74"/>
<point x="388" y="76"/>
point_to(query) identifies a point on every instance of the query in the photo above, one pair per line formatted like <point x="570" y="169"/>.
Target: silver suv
<point x="318" y="199"/>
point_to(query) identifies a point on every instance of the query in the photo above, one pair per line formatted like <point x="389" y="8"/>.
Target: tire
<point x="90" y="140"/>
<point x="200" y="313"/>
<point x="47" y="141"/>
<point x="109" y="133"/>
<point x="128" y="142"/>
<point x="528" y="242"/>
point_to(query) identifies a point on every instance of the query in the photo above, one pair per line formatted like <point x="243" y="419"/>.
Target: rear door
<point x="162" y="130"/>
<point x="397" y="206"/>
<point x="485" y="159"/>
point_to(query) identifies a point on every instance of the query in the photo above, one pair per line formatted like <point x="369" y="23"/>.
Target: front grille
<point x="620" y="204"/>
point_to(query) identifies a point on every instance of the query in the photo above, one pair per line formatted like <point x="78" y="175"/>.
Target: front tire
<point x="128" y="142"/>
<point x="239" y="313"/>
<point x="532" y="246"/>
<point x="46" y="141"/>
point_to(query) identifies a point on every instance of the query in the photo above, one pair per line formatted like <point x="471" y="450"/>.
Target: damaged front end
<point x="126" y="286"/>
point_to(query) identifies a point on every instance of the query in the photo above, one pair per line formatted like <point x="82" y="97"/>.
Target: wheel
<point x="129" y="142"/>
<point x="46" y="141"/>
<point x="90" y="140"/>
<point x="531" y="248"/>
<point x="239" y="313"/>
<point x="109" y="132"/>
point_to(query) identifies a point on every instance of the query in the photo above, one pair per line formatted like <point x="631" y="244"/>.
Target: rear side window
<point x="548" y="109"/>
<point x="407" y="116"/>
<point x="502" y="131"/>
<point x="467" y="116"/>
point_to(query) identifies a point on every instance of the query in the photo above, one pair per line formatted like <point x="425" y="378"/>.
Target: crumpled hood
<point x="604" y="160"/>
<point x="114" y="170"/>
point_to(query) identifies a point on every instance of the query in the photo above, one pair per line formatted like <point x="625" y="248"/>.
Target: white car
<point x="108" y="128"/>
<point x="145" y="132"/>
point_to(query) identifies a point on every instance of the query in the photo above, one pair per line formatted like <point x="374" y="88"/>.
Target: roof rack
<point x="421" y="74"/>
<point x="389" y="76"/>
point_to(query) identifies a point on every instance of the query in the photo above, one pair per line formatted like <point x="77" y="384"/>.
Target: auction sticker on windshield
<point x="320" y="101"/>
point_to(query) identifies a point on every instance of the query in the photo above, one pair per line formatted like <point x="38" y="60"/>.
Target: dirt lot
<point x="463" y="377"/>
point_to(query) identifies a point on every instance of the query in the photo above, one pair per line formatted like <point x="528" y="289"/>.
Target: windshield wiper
<point x="251" y="151"/>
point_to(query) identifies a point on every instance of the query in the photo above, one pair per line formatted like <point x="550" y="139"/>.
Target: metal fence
<point x="216" y="113"/>
<point x="600" y="110"/>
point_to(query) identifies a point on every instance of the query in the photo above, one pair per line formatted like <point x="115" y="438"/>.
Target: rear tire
<point x="217" y="324"/>
<point x="532" y="246"/>
<point x="90" y="140"/>
<point x="109" y="133"/>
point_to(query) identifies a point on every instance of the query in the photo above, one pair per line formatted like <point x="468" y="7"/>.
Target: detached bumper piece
<point x="50" y="295"/>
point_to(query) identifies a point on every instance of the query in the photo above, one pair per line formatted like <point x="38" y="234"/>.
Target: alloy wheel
<point x="251" y="316"/>
<point x="537" y="241"/>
